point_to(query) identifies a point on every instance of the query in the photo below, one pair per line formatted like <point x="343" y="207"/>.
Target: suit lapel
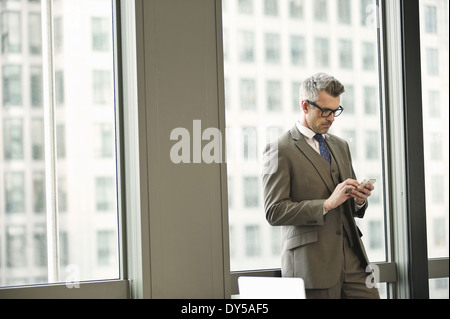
<point x="322" y="167"/>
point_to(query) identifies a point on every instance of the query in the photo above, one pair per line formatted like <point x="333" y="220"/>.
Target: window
<point x="296" y="8"/>
<point x="101" y="39"/>
<point x="246" y="46"/>
<point x="345" y="54"/>
<point x="247" y="90"/>
<point x="84" y="135"/>
<point x="273" y="90"/>
<point x="12" y="85"/>
<point x="298" y="50"/>
<point x="435" y="95"/>
<point x="245" y="6"/>
<point x="251" y="192"/>
<point x="273" y="53"/>
<point x="13" y="139"/>
<point x="271" y="7"/>
<point x="282" y="53"/>
<point x="36" y="86"/>
<point x="430" y="16"/>
<point x="11" y="27"/>
<point x="320" y="10"/>
<point x="432" y="56"/>
<point x="369" y="56"/>
<point x="345" y="11"/>
<point x="321" y="53"/>
<point x="35" y="40"/>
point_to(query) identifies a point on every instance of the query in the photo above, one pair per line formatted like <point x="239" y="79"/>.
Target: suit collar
<point x="315" y="159"/>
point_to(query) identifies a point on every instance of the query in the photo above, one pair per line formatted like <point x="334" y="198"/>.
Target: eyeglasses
<point x="328" y="112"/>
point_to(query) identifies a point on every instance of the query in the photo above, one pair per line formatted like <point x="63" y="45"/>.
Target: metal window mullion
<point x="50" y="142"/>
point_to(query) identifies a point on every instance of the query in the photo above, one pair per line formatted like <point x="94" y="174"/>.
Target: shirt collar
<point x="304" y="130"/>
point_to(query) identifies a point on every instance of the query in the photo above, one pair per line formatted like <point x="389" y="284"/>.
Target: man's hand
<point x="362" y="193"/>
<point x="345" y="190"/>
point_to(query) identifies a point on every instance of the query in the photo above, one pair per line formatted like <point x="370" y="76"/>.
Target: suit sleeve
<point x="280" y="209"/>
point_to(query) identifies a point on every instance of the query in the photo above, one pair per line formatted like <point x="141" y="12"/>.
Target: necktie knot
<point x="324" y="151"/>
<point x="319" y="138"/>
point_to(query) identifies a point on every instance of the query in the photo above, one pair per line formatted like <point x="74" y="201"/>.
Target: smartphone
<point x="369" y="181"/>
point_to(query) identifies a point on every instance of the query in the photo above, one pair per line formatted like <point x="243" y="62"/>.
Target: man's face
<point x="314" y="118"/>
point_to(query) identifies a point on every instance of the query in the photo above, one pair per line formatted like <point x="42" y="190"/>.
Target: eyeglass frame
<point x="340" y="108"/>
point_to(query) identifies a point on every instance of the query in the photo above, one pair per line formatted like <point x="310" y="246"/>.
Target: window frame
<point x="95" y="289"/>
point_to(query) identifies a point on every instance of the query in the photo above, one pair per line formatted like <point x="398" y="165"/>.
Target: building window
<point x="104" y="191"/>
<point x="295" y="98"/>
<point x="434" y="104"/>
<point x="321" y="52"/>
<point x="369" y="56"/>
<point x="298" y="50"/>
<point x="14" y="192"/>
<point x="273" y="53"/>
<point x="370" y="100"/>
<point x="245" y="6"/>
<point x="251" y="191"/>
<point x="104" y="140"/>
<point x="246" y="44"/>
<point x="250" y="139"/>
<point x="36" y="86"/>
<point x="16" y="247"/>
<point x="247" y="91"/>
<point x="12" y="85"/>
<point x="433" y="66"/>
<point x="35" y="40"/>
<point x="38" y="192"/>
<point x="106" y="250"/>
<point x="11" y="27"/>
<point x="252" y="241"/>
<point x="102" y="87"/>
<point x="372" y="145"/>
<point x="375" y="227"/>
<point x="13" y="139"/>
<point x="348" y="99"/>
<point x="37" y="139"/>
<point x="271" y="7"/>
<point x="345" y="54"/>
<point x="296" y="9"/>
<point x="320" y="10"/>
<point x="101" y="39"/>
<point x="344" y="12"/>
<point x="273" y="89"/>
<point x="430" y="19"/>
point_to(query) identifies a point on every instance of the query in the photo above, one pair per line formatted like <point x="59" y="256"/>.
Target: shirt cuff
<point x="358" y="207"/>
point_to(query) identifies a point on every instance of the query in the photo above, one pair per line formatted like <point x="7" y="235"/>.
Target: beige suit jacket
<point x="296" y="185"/>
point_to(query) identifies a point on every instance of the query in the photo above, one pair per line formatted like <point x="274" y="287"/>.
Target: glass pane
<point x="434" y="52"/>
<point x="85" y="143"/>
<point x="271" y="47"/>
<point x="439" y="288"/>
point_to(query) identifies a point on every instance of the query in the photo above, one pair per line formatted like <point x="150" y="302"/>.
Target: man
<point x="311" y="190"/>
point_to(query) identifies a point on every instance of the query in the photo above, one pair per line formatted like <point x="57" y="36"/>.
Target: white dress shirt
<point x="309" y="136"/>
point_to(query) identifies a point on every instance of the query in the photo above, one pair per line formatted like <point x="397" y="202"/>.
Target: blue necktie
<point x="324" y="151"/>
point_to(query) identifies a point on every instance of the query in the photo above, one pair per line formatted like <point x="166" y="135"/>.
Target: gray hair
<point x="310" y="88"/>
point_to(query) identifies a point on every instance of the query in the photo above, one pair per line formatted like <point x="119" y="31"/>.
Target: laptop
<point x="271" y="288"/>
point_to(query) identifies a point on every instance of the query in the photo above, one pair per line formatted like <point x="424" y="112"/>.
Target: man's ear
<point x="304" y="106"/>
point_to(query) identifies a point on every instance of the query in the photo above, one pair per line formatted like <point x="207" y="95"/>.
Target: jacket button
<point x="338" y="232"/>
